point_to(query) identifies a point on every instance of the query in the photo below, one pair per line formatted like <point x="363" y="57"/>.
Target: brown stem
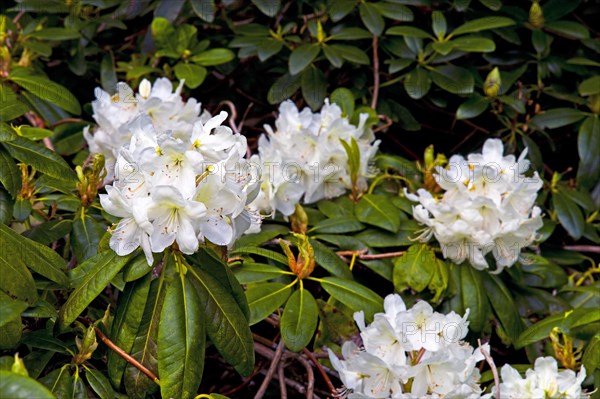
<point x="375" y="72"/>
<point x="281" y="378"/>
<point x="490" y="361"/>
<point x="66" y="120"/>
<point x="233" y="115"/>
<point x="271" y="371"/>
<point x="126" y="356"/>
<point x="310" y="355"/>
<point x="583" y="248"/>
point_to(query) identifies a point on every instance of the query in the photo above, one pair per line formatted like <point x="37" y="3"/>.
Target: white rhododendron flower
<point x="487" y="207"/>
<point x="113" y="114"/>
<point x="303" y="157"/>
<point x="410" y="353"/>
<point x="178" y="186"/>
<point x="544" y="381"/>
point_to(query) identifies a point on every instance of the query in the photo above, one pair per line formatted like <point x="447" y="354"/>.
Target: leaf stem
<point x="375" y="72"/>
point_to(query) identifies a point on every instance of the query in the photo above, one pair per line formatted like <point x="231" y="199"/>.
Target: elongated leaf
<point x="105" y="267"/>
<point x="126" y="325"/>
<point x="268" y="7"/>
<point x="36" y="256"/>
<point x="10" y="108"/>
<point x="569" y="29"/>
<point x="314" y="87"/>
<point x="471" y="108"/>
<point x="344" y="224"/>
<point x="415" y="268"/>
<point x="557" y="117"/>
<point x="417" y="83"/>
<point x="299" y="320"/>
<point x="590" y="86"/>
<point x="345" y="99"/>
<point x="85" y="236"/>
<point x="503" y="303"/>
<point x="377" y="210"/>
<point x="9" y="174"/>
<point x="409" y="31"/>
<point x="46" y="90"/>
<point x="283" y="88"/>
<point x="214" y="56"/>
<point x="354" y="295"/>
<point x="302" y="56"/>
<point x="477" y="25"/>
<point x="205" y="9"/>
<point x="193" y="75"/>
<point x="181" y="339"/>
<point x="453" y="79"/>
<point x="55" y="34"/>
<point x="10" y="309"/>
<point x="35" y="154"/>
<point x="542" y="328"/>
<point x="256" y="272"/>
<point x="330" y="261"/>
<point x="16" y="282"/>
<point x="136" y="268"/>
<point x="267" y="253"/>
<point x="474" y="44"/>
<point x="100" y="384"/>
<point x="569" y="215"/>
<point x="474" y="297"/>
<point x="371" y="17"/>
<point x="338" y="9"/>
<point x="264" y="298"/>
<point x="226" y="325"/>
<point x="17" y="386"/>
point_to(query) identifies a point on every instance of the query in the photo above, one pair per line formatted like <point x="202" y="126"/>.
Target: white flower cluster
<point x="410" y="354"/>
<point x="178" y="185"/>
<point x="543" y="382"/>
<point x="165" y="108"/>
<point x="303" y="156"/>
<point x="488" y="206"/>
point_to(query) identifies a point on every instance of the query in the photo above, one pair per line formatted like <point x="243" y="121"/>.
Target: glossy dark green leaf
<point x="193" y="75"/>
<point x="55" y="34"/>
<point x="397" y="12"/>
<point x="10" y="309"/>
<point x="438" y="24"/>
<point x="343" y="224"/>
<point x="46" y="90"/>
<point x="283" y="88"/>
<point x="17" y="281"/>
<point x="314" y="87"/>
<point x="590" y="86"/>
<point x="181" y="339"/>
<point x="503" y="304"/>
<point x="10" y="176"/>
<point x="126" y="325"/>
<point x="371" y="17"/>
<point x="409" y="31"/>
<point x="542" y="328"/>
<point x="471" y="108"/>
<point x="265" y="298"/>
<point x="11" y="108"/>
<point x="493" y="5"/>
<point x="415" y="268"/>
<point x="345" y="99"/>
<point x="338" y="9"/>
<point x="351" y="33"/>
<point x="41" y="158"/>
<point x="569" y="215"/>
<point x="108" y="76"/>
<point x="568" y="29"/>
<point x="417" y="83"/>
<point x="299" y="320"/>
<point x="17" y="386"/>
<point x="302" y="57"/>
<point x="205" y="9"/>
<point x="100" y="384"/>
<point x="556" y="117"/>
<point x="453" y="79"/>
<point x="351" y="53"/>
<point x="477" y="25"/>
<point x="474" y="44"/>
<point x="85" y="236"/>
<point x="330" y="261"/>
<point x="377" y="210"/>
<point x="226" y="325"/>
<point x="474" y="297"/>
<point x="354" y="295"/>
<point x="105" y="267"/>
<point x="267" y="253"/>
<point x="268" y="7"/>
<point x="247" y="273"/>
<point x="215" y="56"/>
<point x="267" y="48"/>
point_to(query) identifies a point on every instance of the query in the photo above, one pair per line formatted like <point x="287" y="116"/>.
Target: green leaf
<point x="205" y="9"/>
<point x="226" y="325"/>
<point x="268" y="7"/>
<point x="568" y="29"/>
<point x="338" y="9"/>
<point x="540" y="272"/>
<point x="6" y="207"/>
<point x="126" y="324"/>
<point x="371" y="17"/>
<point x="11" y="108"/>
<point x="99" y="383"/>
<point x="417" y="83"/>
<point x="10" y="309"/>
<point x="354" y="295"/>
<point x="85" y="236"/>
<point x="265" y="298"/>
<point x="35" y="133"/>
<point x="583" y="61"/>
<point x="314" y="87"/>
<point x="504" y="306"/>
<point x="397" y="12"/>
<point x="474" y="44"/>
<point x="136" y="268"/>
<point x="409" y="31"/>
<point x="471" y="108"/>
<point x="17" y="281"/>
<point x="46" y="90"/>
<point x="215" y="56"/>
<point x="569" y="215"/>
<point x="453" y="79"/>
<point x="590" y="86"/>
<point x="477" y="25"/>
<point x="438" y="24"/>
<point x="591" y="356"/>
<point x="474" y="297"/>
<point x="10" y="334"/>
<point x="556" y="117"/>
<point x="9" y="173"/>
<point x="415" y="268"/>
<point x="542" y="328"/>
<point x="17" y="386"/>
<point x="493" y="5"/>
<point x="103" y="268"/>
<point x="345" y="99"/>
<point x="302" y="56"/>
<point x="181" y="339"/>
<point x="352" y="33"/>
<point x="267" y="232"/>
<point x="350" y="53"/>
<point x="267" y="48"/>
<point x="330" y="261"/>
<point x="108" y="76"/>
<point x="137" y="384"/>
<point x="378" y="211"/>
<point x="267" y="253"/>
<point x="283" y="88"/>
<point x="36" y="256"/>
<point x="299" y="320"/>
<point x="343" y="224"/>
<point x="256" y="272"/>
<point x="36" y="155"/>
<point x="193" y="75"/>
<point x="58" y="34"/>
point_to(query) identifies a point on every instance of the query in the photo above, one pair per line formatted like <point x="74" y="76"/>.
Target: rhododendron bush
<point x="373" y="199"/>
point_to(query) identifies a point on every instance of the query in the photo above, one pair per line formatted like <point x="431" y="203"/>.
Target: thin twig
<point x="233" y="115"/>
<point x="310" y="355"/>
<point x="363" y="255"/>
<point x="490" y="361"/>
<point x="309" y="371"/>
<point x="387" y="123"/>
<point x="66" y="120"/>
<point x="583" y="248"/>
<point x="375" y="72"/>
<point x="271" y="371"/>
<point x="281" y="378"/>
<point x="126" y="356"/>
